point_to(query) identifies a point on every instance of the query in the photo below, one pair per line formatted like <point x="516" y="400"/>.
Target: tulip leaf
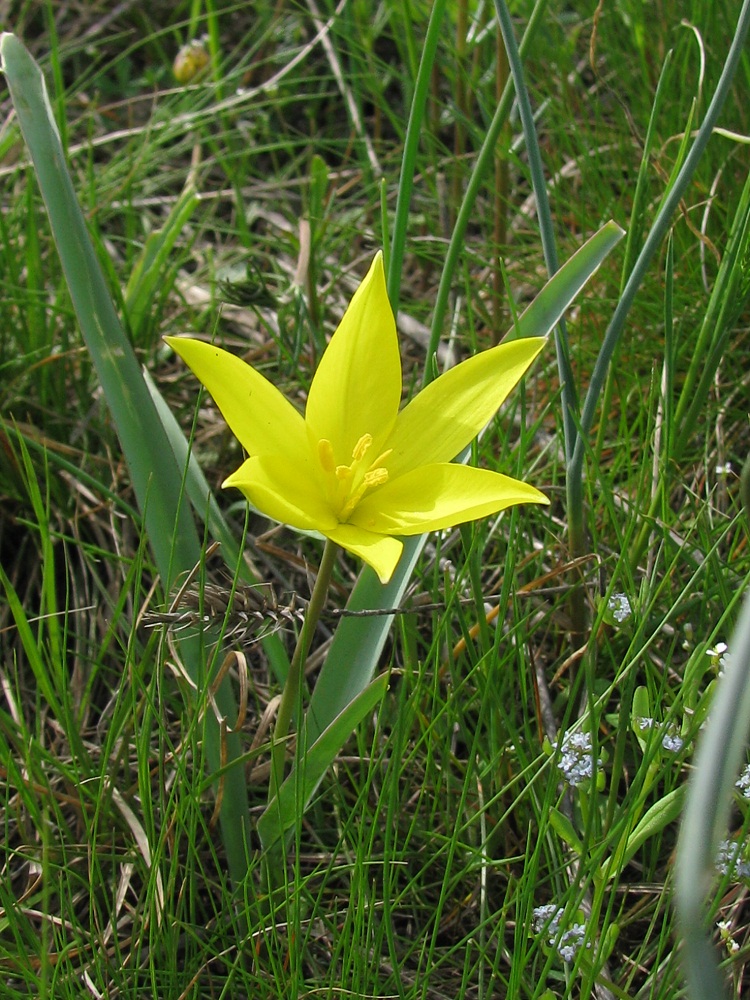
<point x="284" y="810"/>
<point x="155" y="474"/>
<point x="156" y="478"/>
<point x="542" y="315"/>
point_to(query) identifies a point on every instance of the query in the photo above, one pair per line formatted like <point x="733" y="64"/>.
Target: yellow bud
<point x="190" y="61"/>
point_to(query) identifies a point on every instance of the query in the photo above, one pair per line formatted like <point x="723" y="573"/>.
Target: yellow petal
<point x="449" y="413"/>
<point x="263" y="420"/>
<point x="284" y="492"/>
<point x="357" y="386"/>
<point x="378" y="551"/>
<point x="440" y="496"/>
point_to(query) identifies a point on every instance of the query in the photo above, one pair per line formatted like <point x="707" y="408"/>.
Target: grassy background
<point x="444" y="823"/>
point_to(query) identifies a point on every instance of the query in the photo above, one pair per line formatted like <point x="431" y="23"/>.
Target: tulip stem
<point x="290" y="696"/>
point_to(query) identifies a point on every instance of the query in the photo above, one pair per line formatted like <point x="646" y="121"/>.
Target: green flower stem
<point x="291" y="693"/>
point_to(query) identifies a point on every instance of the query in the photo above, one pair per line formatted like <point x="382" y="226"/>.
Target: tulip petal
<point x="440" y="496"/>
<point x="284" y="492"/>
<point x="262" y="419"/>
<point x="357" y="386"/>
<point x="449" y="413"/>
<point x="379" y="551"/>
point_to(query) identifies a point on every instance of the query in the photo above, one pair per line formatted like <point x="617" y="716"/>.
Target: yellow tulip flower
<point x="355" y="468"/>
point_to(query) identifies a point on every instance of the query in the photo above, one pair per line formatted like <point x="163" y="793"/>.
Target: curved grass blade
<point x="704" y="823"/>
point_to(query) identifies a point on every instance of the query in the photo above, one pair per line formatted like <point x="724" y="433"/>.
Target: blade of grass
<point x="411" y="146"/>
<point x="147" y="275"/>
<point x="728" y="298"/>
<point x="653" y="242"/>
<point x="544" y="214"/>
<point x="482" y="169"/>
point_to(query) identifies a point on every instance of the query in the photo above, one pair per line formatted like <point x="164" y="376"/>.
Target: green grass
<point x="443" y="822"/>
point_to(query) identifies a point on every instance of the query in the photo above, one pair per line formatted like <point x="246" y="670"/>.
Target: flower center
<point x="349" y="483"/>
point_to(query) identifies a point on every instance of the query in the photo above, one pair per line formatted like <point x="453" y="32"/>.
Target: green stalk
<point x="546" y="229"/>
<point x="653" y="242"/>
<point x="291" y="702"/>
<point x="570" y="403"/>
<point x="483" y="169"/>
<point x="411" y="146"/>
<point x="290" y="696"/>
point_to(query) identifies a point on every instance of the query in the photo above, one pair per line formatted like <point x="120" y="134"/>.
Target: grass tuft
<point x="447" y="819"/>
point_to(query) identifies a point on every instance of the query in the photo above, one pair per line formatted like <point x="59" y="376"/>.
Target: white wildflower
<point x="576" y="758"/>
<point x="743" y="782"/>
<point x="619" y="605"/>
<point x="729" y="862"/>
<point x="548" y="918"/>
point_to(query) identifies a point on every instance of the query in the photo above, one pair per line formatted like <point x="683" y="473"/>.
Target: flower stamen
<point x="353" y="480"/>
<point x="361" y="447"/>
<point x="375" y="477"/>
<point x="325" y="454"/>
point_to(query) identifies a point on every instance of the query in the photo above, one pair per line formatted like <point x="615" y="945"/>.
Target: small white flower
<point x="542" y="914"/>
<point x="725" y="930"/>
<point x="720" y="657"/>
<point x="571" y="941"/>
<point x="724" y="470"/>
<point x="576" y="758"/>
<point x="719" y="649"/>
<point x="567" y="944"/>
<point x="672" y="742"/>
<point x="743" y="782"/>
<point x="619" y="605"/>
<point x="729" y="862"/>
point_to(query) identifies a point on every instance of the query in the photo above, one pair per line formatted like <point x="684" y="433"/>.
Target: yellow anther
<point x="375" y="477"/>
<point x="325" y="454"/>
<point x="361" y="447"/>
<point x="354" y="480"/>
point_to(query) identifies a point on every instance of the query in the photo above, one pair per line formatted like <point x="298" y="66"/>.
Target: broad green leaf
<point x="565" y="831"/>
<point x="667" y="810"/>
<point x="156" y="476"/>
<point x="282" y="812"/>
